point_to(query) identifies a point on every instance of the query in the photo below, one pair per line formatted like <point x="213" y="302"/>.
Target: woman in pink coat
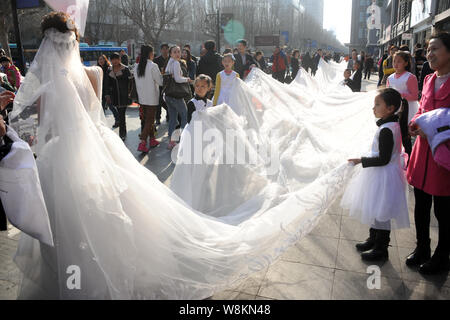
<point x="430" y="180"/>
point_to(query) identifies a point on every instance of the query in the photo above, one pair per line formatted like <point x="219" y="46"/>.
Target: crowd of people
<point x="144" y="82"/>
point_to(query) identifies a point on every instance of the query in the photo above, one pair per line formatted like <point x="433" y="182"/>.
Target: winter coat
<point x="241" y="68"/>
<point x="118" y="86"/>
<point x="210" y="64"/>
<point x="423" y="172"/>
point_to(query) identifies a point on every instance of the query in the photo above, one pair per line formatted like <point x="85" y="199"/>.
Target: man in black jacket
<point x="244" y="61"/>
<point x="316" y="61"/>
<point x="118" y="88"/>
<point x="211" y="63"/>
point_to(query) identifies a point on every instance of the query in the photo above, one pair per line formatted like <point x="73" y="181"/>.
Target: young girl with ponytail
<point x="377" y="194"/>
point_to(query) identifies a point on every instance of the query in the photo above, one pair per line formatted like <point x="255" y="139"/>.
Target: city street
<point x="324" y="265"/>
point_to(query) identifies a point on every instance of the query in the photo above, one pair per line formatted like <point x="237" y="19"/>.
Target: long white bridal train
<point x="233" y="208"/>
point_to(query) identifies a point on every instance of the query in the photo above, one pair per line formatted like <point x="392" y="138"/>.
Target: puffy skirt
<point x="377" y="197"/>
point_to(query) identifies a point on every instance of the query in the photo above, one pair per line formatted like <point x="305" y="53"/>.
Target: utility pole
<point x="218" y="30"/>
<point x="21" y="59"/>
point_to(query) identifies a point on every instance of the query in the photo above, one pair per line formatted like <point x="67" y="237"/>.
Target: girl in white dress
<point x="225" y="80"/>
<point x="377" y="194"/>
<point x="406" y="83"/>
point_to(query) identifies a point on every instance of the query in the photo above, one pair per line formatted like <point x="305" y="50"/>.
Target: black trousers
<point x="367" y="74"/>
<point x="422" y="213"/>
<point x="162" y="104"/>
<point x="3" y="223"/>
<point x="122" y="110"/>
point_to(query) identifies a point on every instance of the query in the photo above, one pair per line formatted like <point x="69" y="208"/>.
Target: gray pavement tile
<point x="406" y="238"/>
<point x="349" y="285"/>
<point x="295" y="281"/>
<point x="251" y="285"/>
<point x="314" y="250"/>
<point x="425" y="291"/>
<point x="349" y="259"/>
<point x="411" y="273"/>
<point x="262" y="298"/>
<point x="352" y="229"/>
<point x="8" y="290"/>
<point x="335" y="208"/>
<point x="328" y="226"/>
<point x="7" y="247"/>
<point x="232" y="295"/>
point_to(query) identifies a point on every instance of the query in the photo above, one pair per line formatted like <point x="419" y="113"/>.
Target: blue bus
<point x="90" y="54"/>
<point x="28" y="53"/>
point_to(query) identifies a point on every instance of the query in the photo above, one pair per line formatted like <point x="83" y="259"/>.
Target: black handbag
<point x="174" y="89"/>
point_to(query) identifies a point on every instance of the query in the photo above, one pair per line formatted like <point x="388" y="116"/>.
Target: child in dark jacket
<point x="200" y="102"/>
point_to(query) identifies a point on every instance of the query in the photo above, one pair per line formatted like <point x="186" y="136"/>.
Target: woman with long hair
<point x="148" y="80"/>
<point x="176" y="106"/>
<point x="105" y="64"/>
<point x="191" y="66"/>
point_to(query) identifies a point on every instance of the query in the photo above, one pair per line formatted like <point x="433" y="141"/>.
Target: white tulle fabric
<point x="134" y="238"/>
<point x="377" y="196"/>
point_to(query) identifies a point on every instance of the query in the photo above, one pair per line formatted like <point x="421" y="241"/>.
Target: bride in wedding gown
<point x="131" y="237"/>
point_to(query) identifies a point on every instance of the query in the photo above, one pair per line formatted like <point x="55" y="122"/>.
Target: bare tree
<point x="152" y="16"/>
<point x="97" y="20"/>
<point x="5" y="22"/>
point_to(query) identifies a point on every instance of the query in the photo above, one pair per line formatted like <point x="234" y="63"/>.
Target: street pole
<point x="21" y="59"/>
<point x="218" y="30"/>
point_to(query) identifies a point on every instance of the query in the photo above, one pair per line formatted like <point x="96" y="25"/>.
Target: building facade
<point x="366" y="25"/>
<point x="314" y="8"/>
<point x="411" y="22"/>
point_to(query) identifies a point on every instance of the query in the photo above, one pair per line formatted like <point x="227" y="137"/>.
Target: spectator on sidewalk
<point x="211" y="63"/>
<point x="306" y="61"/>
<point x="124" y="59"/>
<point x="279" y="64"/>
<point x="194" y="58"/>
<point x="148" y="80"/>
<point x="353" y="59"/>
<point x="368" y="66"/>
<point x="11" y="71"/>
<point x="162" y="61"/>
<point x="355" y="79"/>
<point x="315" y="61"/>
<point x="118" y="88"/>
<point x="295" y="63"/>
<point x="244" y="60"/>
<point x="6" y="98"/>
<point x="388" y="64"/>
<point x="260" y="61"/>
<point x="380" y="68"/>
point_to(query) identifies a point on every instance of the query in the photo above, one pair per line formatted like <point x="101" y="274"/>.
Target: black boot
<point x="437" y="264"/>
<point x="380" y="250"/>
<point x="370" y="242"/>
<point x="420" y="255"/>
<point x="3" y="221"/>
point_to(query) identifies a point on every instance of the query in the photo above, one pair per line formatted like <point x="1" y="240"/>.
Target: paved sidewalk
<point x="324" y="265"/>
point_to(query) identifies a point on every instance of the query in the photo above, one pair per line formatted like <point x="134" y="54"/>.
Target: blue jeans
<point x="175" y="107"/>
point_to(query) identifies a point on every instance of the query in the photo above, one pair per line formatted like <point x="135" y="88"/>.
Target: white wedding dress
<point x="134" y="238"/>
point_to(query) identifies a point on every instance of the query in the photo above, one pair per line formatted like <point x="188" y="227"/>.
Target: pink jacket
<point x="423" y="172"/>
